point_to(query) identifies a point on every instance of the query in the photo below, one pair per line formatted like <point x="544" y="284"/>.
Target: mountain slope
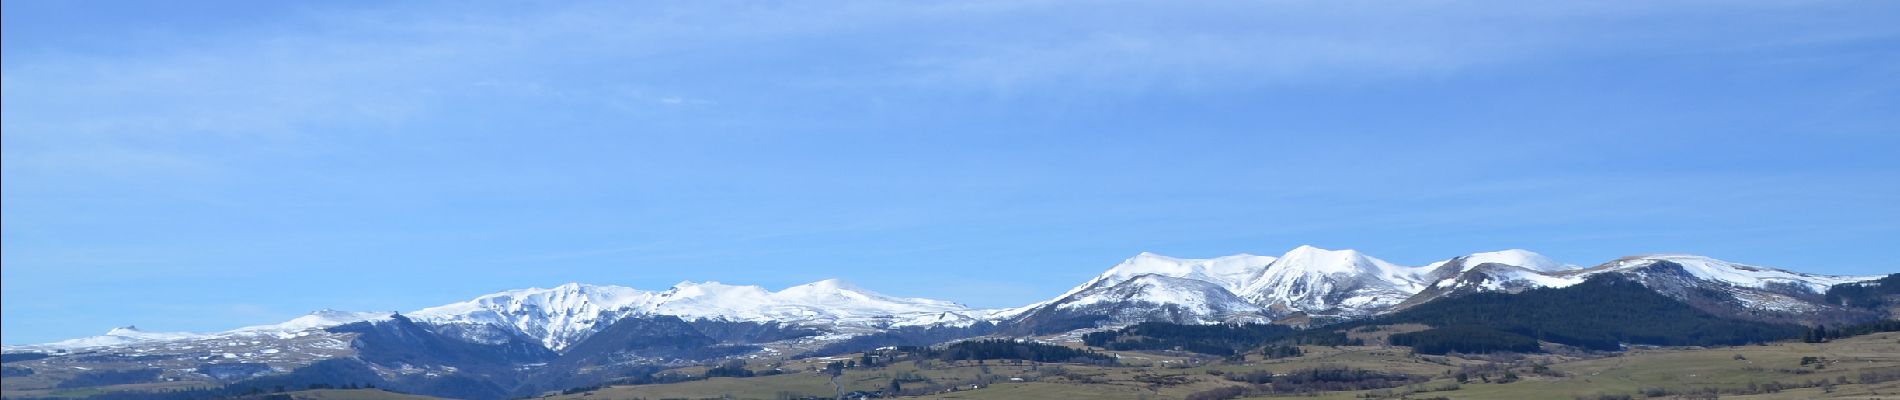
<point x="1142" y="298"/>
<point x="1229" y="272"/>
<point x="1873" y="294"/>
<point x="1736" y="290"/>
<point x="1733" y="274"/>
<point x="1508" y="271"/>
<point x="1601" y="313"/>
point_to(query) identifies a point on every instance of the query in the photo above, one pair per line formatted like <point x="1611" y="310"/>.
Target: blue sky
<point x="203" y="166"/>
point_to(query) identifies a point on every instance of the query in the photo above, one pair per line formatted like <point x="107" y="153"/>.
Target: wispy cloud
<point x="291" y="82"/>
<point x="676" y="101"/>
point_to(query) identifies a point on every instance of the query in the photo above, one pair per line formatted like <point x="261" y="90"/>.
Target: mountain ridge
<point x="1306" y="280"/>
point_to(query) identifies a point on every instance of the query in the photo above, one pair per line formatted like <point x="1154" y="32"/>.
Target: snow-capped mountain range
<point x="563" y="315"/>
<point x="524" y="342"/>
<point x="1306" y="281"/>
<point x="1341" y="284"/>
<point x="560" y="316"/>
<point x="132" y="335"/>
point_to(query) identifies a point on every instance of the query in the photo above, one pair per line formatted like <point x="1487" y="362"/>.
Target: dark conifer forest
<point x="1602" y="313"/>
<point x="1006" y="349"/>
<point x="1220" y="340"/>
<point x="1865" y="294"/>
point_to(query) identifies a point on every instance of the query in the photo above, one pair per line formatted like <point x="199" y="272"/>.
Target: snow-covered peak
<point x="558" y="316"/>
<point x="316" y="320"/>
<point x="715" y="289"/>
<point x="1513" y="257"/>
<point x="1228" y="271"/>
<point x="838" y="291"/>
<point x="833" y="284"/>
<point x="571" y="297"/>
<point x="715" y="299"/>
<point x="1518" y="258"/>
<point x="1140" y="298"/>
<point x="828" y="289"/>
<point x="1311" y="259"/>
<point x="119" y="336"/>
<point x="1502" y="276"/>
<point x="1192" y="294"/>
<point x="826" y="299"/>
<point x="132" y="333"/>
<point x="1151" y="263"/>
<point x="1322" y="260"/>
<point x="1317" y="280"/>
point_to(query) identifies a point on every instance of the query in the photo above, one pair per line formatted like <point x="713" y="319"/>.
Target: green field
<point x="1164" y="377"/>
<point x="353" y="394"/>
<point x="1146" y="375"/>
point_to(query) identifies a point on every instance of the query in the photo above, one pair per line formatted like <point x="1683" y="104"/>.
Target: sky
<point x="200" y="166"/>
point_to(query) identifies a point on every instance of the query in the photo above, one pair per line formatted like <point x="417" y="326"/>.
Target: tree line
<point x="1601" y="313"/>
<point x="1219" y="340"/>
<point x="1820" y="333"/>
